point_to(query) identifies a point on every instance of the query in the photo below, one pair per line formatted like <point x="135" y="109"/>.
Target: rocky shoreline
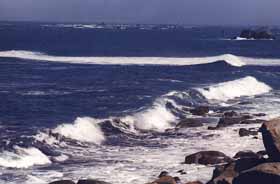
<point x="262" y="167"/>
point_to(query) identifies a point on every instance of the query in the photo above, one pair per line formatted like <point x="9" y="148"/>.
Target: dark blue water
<point x="39" y="95"/>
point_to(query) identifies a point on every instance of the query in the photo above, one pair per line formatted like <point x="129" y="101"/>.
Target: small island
<point x="255" y="35"/>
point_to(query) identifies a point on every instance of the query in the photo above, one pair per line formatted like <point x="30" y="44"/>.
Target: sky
<point x="192" y="12"/>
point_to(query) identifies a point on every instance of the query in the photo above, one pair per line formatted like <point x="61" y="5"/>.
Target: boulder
<point x="247" y="154"/>
<point x="271" y="138"/>
<point x="266" y="173"/>
<point x="244" y="132"/>
<point x="200" y="111"/>
<point x="63" y="182"/>
<point x="207" y="158"/>
<point x="91" y="181"/>
<point x="224" y="174"/>
<point x="189" y="122"/>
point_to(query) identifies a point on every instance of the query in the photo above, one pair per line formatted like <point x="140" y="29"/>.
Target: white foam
<point x="230" y="59"/>
<point x="84" y="129"/>
<point x="156" y="118"/>
<point x="247" y="86"/>
<point x="23" y="158"/>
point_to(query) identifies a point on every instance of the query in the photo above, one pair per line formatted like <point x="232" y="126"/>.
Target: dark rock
<point x="252" y="121"/>
<point x="260" y="114"/>
<point x="200" y="111"/>
<point x="91" y="181"/>
<point x="247" y="154"/>
<point x="224" y="174"/>
<point x="250" y="34"/>
<point x="267" y="173"/>
<point x="262" y="153"/>
<point x="189" y="122"/>
<point x="194" y="182"/>
<point x="63" y="182"/>
<point x="224" y="122"/>
<point x="207" y="158"/>
<point x="271" y="138"/>
<point x="244" y="132"/>
<point x="165" y="180"/>
<point x="230" y="114"/>
<point x="212" y="128"/>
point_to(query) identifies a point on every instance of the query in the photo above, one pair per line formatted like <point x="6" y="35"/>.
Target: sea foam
<point x="23" y="158"/>
<point x="229" y="58"/>
<point x="83" y="129"/>
<point x="247" y="86"/>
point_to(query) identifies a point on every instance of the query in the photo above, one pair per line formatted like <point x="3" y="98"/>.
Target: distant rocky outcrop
<point x="257" y="35"/>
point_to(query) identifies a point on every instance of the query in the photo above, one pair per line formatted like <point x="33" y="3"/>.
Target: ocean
<point x="102" y="100"/>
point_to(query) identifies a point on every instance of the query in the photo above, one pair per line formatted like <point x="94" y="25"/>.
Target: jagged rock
<point x="207" y="158"/>
<point x="266" y="173"/>
<point x="63" y="182"/>
<point x="271" y="138"/>
<point x="200" y="111"/>
<point x="247" y="154"/>
<point x="244" y="132"/>
<point x="91" y="181"/>
<point x="224" y="174"/>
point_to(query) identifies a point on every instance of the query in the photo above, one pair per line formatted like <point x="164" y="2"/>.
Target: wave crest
<point x="229" y="58"/>
<point x="247" y="86"/>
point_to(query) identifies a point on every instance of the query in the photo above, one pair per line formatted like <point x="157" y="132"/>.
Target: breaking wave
<point x="247" y="86"/>
<point x="230" y="59"/>
<point x="23" y="158"/>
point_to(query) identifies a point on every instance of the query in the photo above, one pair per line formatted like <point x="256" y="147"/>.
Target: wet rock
<point x="224" y="122"/>
<point x="207" y="158"/>
<point x="190" y="122"/>
<point x="247" y="154"/>
<point x="63" y="182"/>
<point x="91" y="181"/>
<point x="165" y="180"/>
<point x="267" y="173"/>
<point x="259" y="114"/>
<point x="271" y="138"/>
<point x="252" y="121"/>
<point x="200" y="111"/>
<point x="244" y="132"/>
<point x="224" y="174"/>
<point x="230" y="114"/>
<point x="194" y="182"/>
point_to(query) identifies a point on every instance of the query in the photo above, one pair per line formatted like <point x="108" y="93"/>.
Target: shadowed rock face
<point x="267" y="173"/>
<point x="207" y="158"/>
<point x="271" y="138"/>
<point x="224" y="174"/>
